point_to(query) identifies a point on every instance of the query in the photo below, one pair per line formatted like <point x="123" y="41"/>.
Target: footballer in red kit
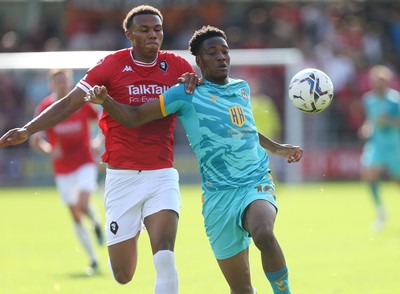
<point x="141" y="184"/>
<point x="72" y="151"/>
<point x="133" y="82"/>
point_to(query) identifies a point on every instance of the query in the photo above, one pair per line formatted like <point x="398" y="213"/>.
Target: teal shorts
<point x="223" y="213"/>
<point x="386" y="158"/>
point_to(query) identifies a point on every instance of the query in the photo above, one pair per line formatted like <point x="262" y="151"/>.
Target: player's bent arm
<point x="132" y="116"/>
<point x="290" y="152"/>
<point x="37" y="143"/>
<point x="127" y="115"/>
<point x="267" y="143"/>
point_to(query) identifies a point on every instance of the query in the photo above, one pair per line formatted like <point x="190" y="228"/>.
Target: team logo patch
<point x="114" y="227"/>
<point x="163" y="65"/>
<point x="237" y="115"/>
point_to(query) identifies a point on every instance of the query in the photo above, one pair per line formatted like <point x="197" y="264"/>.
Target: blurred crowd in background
<point x="342" y="38"/>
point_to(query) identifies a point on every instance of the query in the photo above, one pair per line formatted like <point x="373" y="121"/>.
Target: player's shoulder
<point x="238" y="83"/>
<point x="394" y="95"/>
<point x="124" y="52"/>
<point x="369" y="96"/>
<point x="45" y="102"/>
<point x="118" y="55"/>
<point x="111" y="62"/>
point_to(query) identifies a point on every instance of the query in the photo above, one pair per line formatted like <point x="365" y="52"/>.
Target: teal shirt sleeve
<point x="175" y="100"/>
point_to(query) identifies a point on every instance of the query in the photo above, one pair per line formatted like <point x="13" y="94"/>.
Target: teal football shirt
<point x="383" y="147"/>
<point x="220" y="127"/>
<point x="377" y="107"/>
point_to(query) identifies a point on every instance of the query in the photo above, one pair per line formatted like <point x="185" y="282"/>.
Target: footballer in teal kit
<point x="238" y="192"/>
<point x="220" y="127"/>
<point x="385" y="137"/>
<point x="381" y="129"/>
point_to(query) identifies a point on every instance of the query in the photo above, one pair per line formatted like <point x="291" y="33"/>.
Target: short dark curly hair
<point x="139" y="10"/>
<point x="199" y="36"/>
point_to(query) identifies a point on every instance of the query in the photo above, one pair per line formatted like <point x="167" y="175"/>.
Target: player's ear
<point x="128" y="34"/>
<point x="198" y="61"/>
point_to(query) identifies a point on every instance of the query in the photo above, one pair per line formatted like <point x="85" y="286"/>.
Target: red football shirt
<point x="72" y="136"/>
<point x="128" y="81"/>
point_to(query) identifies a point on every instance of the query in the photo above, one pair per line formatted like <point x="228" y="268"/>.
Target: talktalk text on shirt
<point x="147" y="89"/>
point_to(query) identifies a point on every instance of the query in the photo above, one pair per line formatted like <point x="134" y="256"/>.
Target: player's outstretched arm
<point x="53" y="115"/>
<point x="130" y="116"/>
<point x="291" y="152"/>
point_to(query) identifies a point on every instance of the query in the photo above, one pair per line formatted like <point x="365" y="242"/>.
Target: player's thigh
<point x="124" y="196"/>
<point x="123" y="256"/>
<point x="372" y="163"/>
<point x="66" y="187"/>
<point x="75" y="212"/>
<point x="162" y="228"/>
<point x="236" y="271"/>
<point x="161" y="209"/>
<point x="86" y="177"/>
<point x="259" y="217"/>
<point x="371" y="173"/>
<point x="260" y="206"/>
<point x="83" y="200"/>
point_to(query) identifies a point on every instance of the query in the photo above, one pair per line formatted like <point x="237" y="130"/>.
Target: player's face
<point x="380" y="84"/>
<point x="214" y="60"/>
<point x="60" y="84"/>
<point x="146" y="35"/>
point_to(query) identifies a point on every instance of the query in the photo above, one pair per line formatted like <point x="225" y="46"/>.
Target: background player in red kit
<point x="141" y="184"/>
<point x="72" y="151"/>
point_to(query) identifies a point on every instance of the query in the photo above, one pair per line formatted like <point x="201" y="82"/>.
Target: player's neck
<point x="144" y="59"/>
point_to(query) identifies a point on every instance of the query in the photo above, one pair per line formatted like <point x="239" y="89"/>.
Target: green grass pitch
<point x="323" y="228"/>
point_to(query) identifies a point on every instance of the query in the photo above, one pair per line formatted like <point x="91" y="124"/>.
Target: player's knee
<point x="264" y="238"/>
<point x="123" y="277"/>
<point x="84" y="207"/>
<point x="77" y="217"/>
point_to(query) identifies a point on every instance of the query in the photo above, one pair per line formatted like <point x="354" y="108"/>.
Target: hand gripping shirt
<point x="149" y="146"/>
<point x="220" y="127"/>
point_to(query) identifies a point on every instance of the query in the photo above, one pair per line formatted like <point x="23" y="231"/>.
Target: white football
<point x="311" y="90"/>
